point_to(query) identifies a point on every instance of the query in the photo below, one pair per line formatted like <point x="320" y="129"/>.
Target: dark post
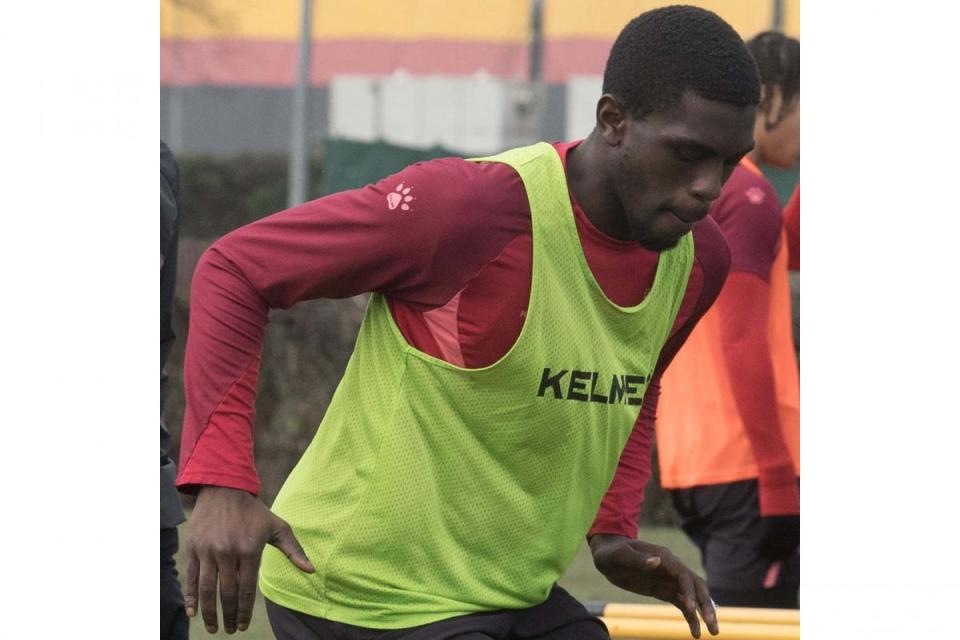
<point x="777" y="15"/>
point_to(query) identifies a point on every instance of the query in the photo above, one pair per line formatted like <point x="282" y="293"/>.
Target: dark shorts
<point x="723" y="520"/>
<point x="174" y="624"/>
<point x="559" y="617"/>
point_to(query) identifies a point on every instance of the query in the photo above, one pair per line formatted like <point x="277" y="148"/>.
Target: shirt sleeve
<point x="749" y="216"/>
<point x="400" y="236"/>
<point x="619" y="510"/>
<point x="743" y="310"/>
<point x="748" y="212"/>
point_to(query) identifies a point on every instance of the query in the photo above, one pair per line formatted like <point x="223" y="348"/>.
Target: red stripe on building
<point x="568" y="57"/>
<point x="273" y="64"/>
<point x="228" y="62"/>
<point x="426" y="56"/>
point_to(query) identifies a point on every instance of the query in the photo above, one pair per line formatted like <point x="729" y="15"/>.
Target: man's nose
<point x="708" y="182"/>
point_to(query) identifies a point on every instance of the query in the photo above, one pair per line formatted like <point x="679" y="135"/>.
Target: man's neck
<point x="589" y="182"/>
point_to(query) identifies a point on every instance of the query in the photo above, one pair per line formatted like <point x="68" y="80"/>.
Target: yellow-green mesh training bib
<point x="432" y="491"/>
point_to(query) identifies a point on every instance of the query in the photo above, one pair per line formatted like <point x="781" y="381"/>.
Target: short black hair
<point x="778" y="59"/>
<point x="662" y="53"/>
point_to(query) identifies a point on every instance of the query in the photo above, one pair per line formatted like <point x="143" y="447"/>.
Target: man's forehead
<point x="724" y="127"/>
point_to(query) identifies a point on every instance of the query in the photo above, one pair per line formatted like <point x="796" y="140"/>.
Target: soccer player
<point x="728" y="429"/>
<point x="524" y="307"/>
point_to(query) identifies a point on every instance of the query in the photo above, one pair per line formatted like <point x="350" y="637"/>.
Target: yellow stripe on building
<point x="222" y="19"/>
<point x="489" y="20"/>
<point x="791" y="18"/>
<point x="506" y="21"/>
<point x="579" y="19"/>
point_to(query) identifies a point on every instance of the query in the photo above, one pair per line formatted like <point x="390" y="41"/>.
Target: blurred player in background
<point x="173" y="617"/>
<point x="791" y="222"/>
<point x="728" y="429"/>
<point x="506" y="372"/>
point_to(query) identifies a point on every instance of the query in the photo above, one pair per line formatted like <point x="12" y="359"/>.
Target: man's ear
<point x="611" y="120"/>
<point x="771" y="105"/>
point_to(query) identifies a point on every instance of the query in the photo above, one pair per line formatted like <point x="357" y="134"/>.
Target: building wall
<point x="411" y="72"/>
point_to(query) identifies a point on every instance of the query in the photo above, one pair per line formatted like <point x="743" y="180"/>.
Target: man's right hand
<point x="227" y="532"/>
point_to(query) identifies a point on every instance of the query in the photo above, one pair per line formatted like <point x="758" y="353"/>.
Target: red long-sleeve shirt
<point x="449" y="243"/>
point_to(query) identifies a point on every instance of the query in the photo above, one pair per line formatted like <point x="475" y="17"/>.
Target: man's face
<point x="672" y="164"/>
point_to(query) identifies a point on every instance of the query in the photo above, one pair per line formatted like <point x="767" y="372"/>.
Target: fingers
<point x="227" y="569"/>
<point x="190" y="585"/>
<point x="687" y="603"/>
<point x="207" y="591"/>
<point x="235" y="572"/>
<point x="707" y="609"/>
<point x="247" y="590"/>
<point x="282" y="538"/>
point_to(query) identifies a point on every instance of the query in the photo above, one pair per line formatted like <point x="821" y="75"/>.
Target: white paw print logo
<point x="755" y="195"/>
<point x="400" y="197"/>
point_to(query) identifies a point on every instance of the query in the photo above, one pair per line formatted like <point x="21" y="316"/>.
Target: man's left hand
<point x="652" y="570"/>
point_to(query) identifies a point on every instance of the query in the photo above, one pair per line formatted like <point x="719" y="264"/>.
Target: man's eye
<point x="687" y="155"/>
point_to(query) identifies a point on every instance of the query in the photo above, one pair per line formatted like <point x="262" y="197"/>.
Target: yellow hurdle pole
<point x="641" y="629"/>
<point x="724" y="614"/>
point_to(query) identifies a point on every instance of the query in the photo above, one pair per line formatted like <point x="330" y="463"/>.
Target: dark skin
<point x="650" y="181"/>
<point x="652" y="570"/>
<point x="228" y="531"/>
<point x="647" y="181"/>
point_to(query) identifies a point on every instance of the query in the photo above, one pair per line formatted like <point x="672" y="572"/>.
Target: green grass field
<point x="581" y="580"/>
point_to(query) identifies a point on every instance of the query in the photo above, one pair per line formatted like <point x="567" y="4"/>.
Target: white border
<point x="79" y="375"/>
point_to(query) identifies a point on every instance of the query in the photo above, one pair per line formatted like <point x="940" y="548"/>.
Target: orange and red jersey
<point x="729" y="407"/>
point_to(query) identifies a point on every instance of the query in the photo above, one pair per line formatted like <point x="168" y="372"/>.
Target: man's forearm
<point x="755" y="395"/>
<point x="227" y="324"/>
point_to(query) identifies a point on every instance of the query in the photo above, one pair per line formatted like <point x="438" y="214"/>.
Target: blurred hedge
<point x="307" y="347"/>
<point x="220" y="193"/>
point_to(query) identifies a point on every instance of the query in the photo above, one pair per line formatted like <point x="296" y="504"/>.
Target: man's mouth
<point x="682" y="222"/>
<point x="690" y="216"/>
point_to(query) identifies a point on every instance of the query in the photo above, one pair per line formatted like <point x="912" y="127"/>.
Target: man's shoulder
<point x="748" y="205"/>
<point x="453" y="172"/>
<point x="747" y="186"/>
<point x="746" y="175"/>
<point x="460" y="213"/>
<point x="475" y="190"/>
<point x="749" y="215"/>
